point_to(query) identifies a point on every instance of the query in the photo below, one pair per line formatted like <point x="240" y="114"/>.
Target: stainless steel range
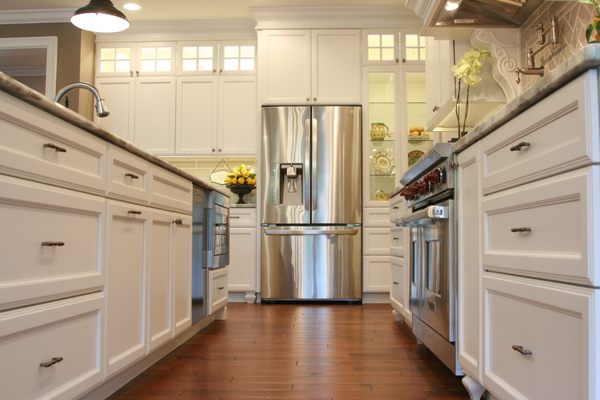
<point x="429" y="191"/>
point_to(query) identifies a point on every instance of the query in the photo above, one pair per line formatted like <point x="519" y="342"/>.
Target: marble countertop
<point x="36" y="99"/>
<point x="584" y="59"/>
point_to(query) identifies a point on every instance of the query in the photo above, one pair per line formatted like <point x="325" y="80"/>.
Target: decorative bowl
<point x="241" y="190"/>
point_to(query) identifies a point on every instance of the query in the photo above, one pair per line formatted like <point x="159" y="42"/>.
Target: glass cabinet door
<point x="419" y="141"/>
<point x="381" y="135"/>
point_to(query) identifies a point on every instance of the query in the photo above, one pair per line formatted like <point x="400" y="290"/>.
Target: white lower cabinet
<point x="181" y="264"/>
<point x="217" y="291"/>
<point x="539" y="339"/>
<point x="399" y="290"/>
<point x="125" y="284"/>
<point x="51" y="350"/>
<point x="242" y="252"/>
<point x="376" y="250"/>
<point x="376" y="274"/>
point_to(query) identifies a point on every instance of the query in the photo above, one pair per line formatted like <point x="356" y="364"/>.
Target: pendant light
<point x="100" y="16"/>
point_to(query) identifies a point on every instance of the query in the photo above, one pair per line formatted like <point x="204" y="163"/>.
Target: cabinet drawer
<point x="170" y="191"/>
<point x="376" y="241"/>
<point x="555" y="135"/>
<point x="398" y="280"/>
<point x="397" y="208"/>
<point x="65" y="330"/>
<point x="376" y="217"/>
<point x="37" y="146"/>
<point x="376" y="274"/>
<point x="554" y="322"/>
<point x="128" y="177"/>
<point x="51" y="242"/>
<point x="218" y="289"/>
<point x="545" y="229"/>
<point x="242" y="217"/>
<point x="397" y="243"/>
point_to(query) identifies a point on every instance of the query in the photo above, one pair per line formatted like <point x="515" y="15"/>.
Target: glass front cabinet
<point x="394" y="111"/>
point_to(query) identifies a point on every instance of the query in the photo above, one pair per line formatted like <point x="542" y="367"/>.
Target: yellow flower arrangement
<point x="241" y="175"/>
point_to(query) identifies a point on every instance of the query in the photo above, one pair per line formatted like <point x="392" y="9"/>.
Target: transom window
<point x="239" y="58"/>
<point x="381" y="47"/>
<point x="414" y="47"/>
<point x="197" y="58"/>
<point x="156" y="59"/>
<point x="115" y="59"/>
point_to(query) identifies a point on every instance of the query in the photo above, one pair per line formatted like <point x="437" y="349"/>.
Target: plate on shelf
<point x="414" y="156"/>
<point x="382" y="162"/>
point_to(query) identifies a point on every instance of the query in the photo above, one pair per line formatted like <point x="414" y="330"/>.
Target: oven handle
<point x="429" y="213"/>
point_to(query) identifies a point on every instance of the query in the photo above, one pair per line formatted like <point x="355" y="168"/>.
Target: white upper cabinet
<point x="440" y="80"/>
<point x="135" y="59"/>
<point x="303" y="66"/>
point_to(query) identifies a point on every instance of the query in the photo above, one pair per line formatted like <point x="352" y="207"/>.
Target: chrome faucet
<point x="101" y="109"/>
<point x="531" y="68"/>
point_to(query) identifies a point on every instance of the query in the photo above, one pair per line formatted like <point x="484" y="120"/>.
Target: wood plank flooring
<point x="289" y="351"/>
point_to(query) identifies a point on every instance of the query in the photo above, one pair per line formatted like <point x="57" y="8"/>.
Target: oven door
<point x="432" y="289"/>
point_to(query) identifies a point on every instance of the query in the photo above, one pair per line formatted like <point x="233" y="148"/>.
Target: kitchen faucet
<point x="531" y="68"/>
<point x="101" y="109"/>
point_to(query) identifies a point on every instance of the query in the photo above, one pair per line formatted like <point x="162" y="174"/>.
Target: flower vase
<point x="241" y="190"/>
<point x="592" y="33"/>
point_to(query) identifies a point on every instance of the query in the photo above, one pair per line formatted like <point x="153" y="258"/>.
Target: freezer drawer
<point x="311" y="263"/>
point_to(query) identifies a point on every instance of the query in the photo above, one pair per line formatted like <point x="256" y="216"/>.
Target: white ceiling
<point x="171" y="10"/>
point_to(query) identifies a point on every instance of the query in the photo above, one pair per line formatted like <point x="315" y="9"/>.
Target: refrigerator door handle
<point x="307" y="173"/>
<point x="313" y="172"/>
<point x="311" y="232"/>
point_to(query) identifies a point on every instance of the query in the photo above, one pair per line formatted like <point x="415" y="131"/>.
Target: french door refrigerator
<point x="311" y="246"/>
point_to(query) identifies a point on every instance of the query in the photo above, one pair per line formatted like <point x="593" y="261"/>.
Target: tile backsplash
<point x="573" y="19"/>
<point x="201" y="167"/>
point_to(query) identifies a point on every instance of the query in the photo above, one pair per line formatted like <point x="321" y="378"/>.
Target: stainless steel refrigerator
<point x="311" y="246"/>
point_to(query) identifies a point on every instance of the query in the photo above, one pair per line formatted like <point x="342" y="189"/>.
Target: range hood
<point x="484" y="13"/>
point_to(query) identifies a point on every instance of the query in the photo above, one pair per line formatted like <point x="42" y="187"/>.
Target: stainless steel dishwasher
<point x="199" y="252"/>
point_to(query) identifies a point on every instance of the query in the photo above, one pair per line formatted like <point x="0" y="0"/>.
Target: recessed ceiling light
<point x="132" y="6"/>
<point x="452" y="5"/>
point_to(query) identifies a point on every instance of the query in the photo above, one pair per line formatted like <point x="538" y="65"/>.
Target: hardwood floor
<point x="282" y="351"/>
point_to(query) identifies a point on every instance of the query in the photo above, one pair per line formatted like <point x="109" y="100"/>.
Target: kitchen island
<point x="528" y="201"/>
<point x="97" y="250"/>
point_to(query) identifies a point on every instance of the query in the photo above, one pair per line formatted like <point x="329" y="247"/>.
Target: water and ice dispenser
<point x="291" y="178"/>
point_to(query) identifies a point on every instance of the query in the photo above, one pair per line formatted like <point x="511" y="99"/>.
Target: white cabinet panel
<point x="336" y="66"/>
<point x="470" y="342"/>
<point x="242" y="260"/>
<point x="181" y="261"/>
<point x="242" y="217"/>
<point x="128" y="176"/>
<point x="119" y="95"/>
<point x="197" y="113"/>
<point x="217" y="289"/>
<point x="125" y="281"/>
<point x="154" y="115"/>
<point x="63" y="335"/>
<point x="399" y="288"/>
<point x="238" y="115"/>
<point x="170" y="191"/>
<point x="376" y="274"/>
<point x="534" y="145"/>
<point x="398" y="241"/>
<point x="52" y="241"/>
<point x="539" y="339"/>
<point x="376" y="241"/>
<point x="285" y="66"/>
<point x="376" y="217"/>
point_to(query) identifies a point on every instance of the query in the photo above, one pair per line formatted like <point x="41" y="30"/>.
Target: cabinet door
<point x="336" y="66"/>
<point x="469" y="261"/>
<point x="238" y="115"/>
<point x="440" y="80"/>
<point x="376" y="274"/>
<point x="242" y="260"/>
<point x="118" y="94"/>
<point x="115" y="59"/>
<point x="181" y="261"/>
<point x="398" y="290"/>
<point x="197" y="110"/>
<point x="432" y="83"/>
<point x="285" y="66"/>
<point x="159" y="279"/>
<point x="125" y="326"/>
<point x="376" y="241"/>
<point x="154" y="113"/>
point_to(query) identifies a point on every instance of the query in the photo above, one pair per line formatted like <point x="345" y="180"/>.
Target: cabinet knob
<point x="308" y="99"/>
<point x="220" y="150"/>
<point x="137" y="73"/>
<point x="213" y="150"/>
<point x="220" y="71"/>
<point x="178" y="221"/>
<point x="51" y="362"/>
<point x="214" y="71"/>
<point x="54" y="147"/>
<point x="435" y="108"/>
<point x="314" y="99"/>
<point x="130" y="73"/>
<point x="395" y="283"/>
<point x="221" y="287"/>
<point x="397" y="60"/>
<point x="520" y="146"/>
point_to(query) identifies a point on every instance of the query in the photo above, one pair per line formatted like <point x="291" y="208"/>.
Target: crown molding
<point x="334" y="17"/>
<point x="183" y="30"/>
<point x="36" y="16"/>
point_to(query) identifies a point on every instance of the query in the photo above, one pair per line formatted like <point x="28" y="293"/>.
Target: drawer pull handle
<point x="132" y="176"/>
<point x="221" y="287"/>
<point x="234" y="217"/>
<point x="522" y="350"/>
<point x="395" y="283"/>
<point x="54" y="360"/>
<point x="520" y="146"/>
<point x="521" y="229"/>
<point x="134" y="212"/>
<point x="54" y="147"/>
<point x="395" y="208"/>
<point x="178" y="221"/>
<point x="435" y="108"/>
<point x="53" y="244"/>
<point x="396" y="239"/>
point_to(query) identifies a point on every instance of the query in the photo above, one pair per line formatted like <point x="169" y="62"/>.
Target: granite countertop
<point x="584" y="59"/>
<point x="36" y="99"/>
